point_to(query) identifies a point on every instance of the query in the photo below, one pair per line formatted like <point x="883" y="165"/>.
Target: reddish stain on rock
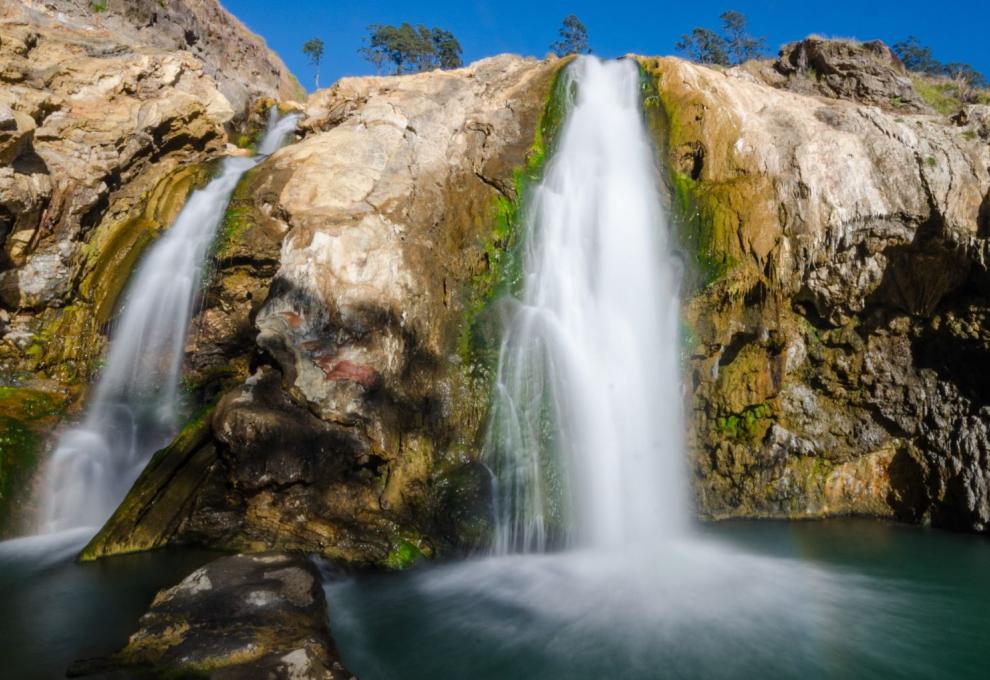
<point x="342" y="369"/>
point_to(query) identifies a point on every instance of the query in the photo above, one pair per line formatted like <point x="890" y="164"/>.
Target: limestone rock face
<point x="100" y="113"/>
<point x="343" y="290"/>
<point x="840" y="286"/>
<point x="245" y="616"/>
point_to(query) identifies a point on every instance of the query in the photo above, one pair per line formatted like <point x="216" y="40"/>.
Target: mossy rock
<point x="114" y="250"/>
<point x="26" y="416"/>
<point x="403" y="555"/>
<point x="150" y="513"/>
<point x="725" y="217"/>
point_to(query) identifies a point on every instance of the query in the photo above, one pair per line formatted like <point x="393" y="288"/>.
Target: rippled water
<point x="837" y="599"/>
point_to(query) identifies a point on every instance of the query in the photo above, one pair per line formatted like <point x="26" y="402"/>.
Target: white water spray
<point x="132" y="412"/>
<point x="587" y="429"/>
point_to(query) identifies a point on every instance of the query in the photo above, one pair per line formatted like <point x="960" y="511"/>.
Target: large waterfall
<point x="587" y="431"/>
<point x="133" y="409"/>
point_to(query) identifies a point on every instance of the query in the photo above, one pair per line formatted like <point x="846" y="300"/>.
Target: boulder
<point x="244" y="616"/>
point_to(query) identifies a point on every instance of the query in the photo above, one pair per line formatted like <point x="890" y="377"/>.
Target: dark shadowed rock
<point x="258" y="616"/>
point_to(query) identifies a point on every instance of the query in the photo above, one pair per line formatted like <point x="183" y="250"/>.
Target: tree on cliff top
<point x="313" y="49"/>
<point x="733" y="46"/>
<point x="409" y="49"/>
<point x="573" y="38"/>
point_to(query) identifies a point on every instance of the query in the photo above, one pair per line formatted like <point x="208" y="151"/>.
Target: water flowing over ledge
<point x="133" y="410"/>
<point x="586" y="435"/>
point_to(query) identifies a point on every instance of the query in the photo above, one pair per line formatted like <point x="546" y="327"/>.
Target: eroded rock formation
<point x="834" y="226"/>
<point x="347" y="275"/>
<point x="837" y="316"/>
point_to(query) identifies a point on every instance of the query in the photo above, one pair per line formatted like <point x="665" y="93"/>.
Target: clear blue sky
<point x="956" y="30"/>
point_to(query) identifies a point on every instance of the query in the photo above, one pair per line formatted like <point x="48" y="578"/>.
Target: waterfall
<point x="586" y="433"/>
<point x="133" y="409"/>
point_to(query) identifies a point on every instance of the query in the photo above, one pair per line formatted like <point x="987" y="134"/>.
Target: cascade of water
<point x="132" y="412"/>
<point x="586" y="431"/>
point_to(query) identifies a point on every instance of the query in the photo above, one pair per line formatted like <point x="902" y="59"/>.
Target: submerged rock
<point x="245" y="616"/>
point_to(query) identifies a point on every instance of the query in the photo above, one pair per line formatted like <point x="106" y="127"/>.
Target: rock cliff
<point x="833" y="224"/>
<point x="837" y="316"/>
<point x="350" y="268"/>
<point x="104" y="129"/>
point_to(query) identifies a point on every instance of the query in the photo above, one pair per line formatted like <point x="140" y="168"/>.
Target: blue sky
<point x="955" y="30"/>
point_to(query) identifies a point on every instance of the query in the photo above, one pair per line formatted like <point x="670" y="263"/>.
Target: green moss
<point x="503" y="271"/>
<point x="403" y="554"/>
<point x="25" y="416"/>
<point x="702" y="225"/>
<point x="748" y="426"/>
<point x="702" y="217"/>
<point x="970" y="135"/>
<point x="239" y="215"/>
<point x="931" y="162"/>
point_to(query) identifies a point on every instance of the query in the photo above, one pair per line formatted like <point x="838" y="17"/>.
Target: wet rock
<point x="245" y="616"/>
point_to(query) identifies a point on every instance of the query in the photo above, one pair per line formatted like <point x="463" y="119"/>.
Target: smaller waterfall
<point x="586" y="434"/>
<point x="132" y="411"/>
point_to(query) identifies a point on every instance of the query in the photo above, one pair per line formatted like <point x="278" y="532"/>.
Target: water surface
<point x="834" y="599"/>
<point x="56" y="610"/>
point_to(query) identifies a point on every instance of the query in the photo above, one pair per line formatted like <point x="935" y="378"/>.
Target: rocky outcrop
<point x="356" y="435"/>
<point x="238" y="60"/>
<point x="865" y="72"/>
<point x="245" y="616"/>
<point x="837" y="302"/>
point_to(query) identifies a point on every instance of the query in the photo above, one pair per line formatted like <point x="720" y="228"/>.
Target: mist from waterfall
<point x="133" y="409"/>
<point x="587" y="431"/>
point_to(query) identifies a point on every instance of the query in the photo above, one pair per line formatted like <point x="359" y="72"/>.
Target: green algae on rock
<point x="26" y="415"/>
<point x="826" y="246"/>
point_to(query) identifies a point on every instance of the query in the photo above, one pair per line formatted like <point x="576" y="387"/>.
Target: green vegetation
<point x="238" y="216"/>
<point x="944" y="86"/>
<point x="747" y="426"/>
<point x="25" y="415"/>
<point x="699" y="218"/>
<point x="503" y="247"/>
<point x="404" y="553"/>
<point x="99" y="5"/>
<point x="573" y="38"/>
<point x="409" y="49"/>
<point x="313" y="49"/>
<point x="733" y="46"/>
<point x="918" y="58"/>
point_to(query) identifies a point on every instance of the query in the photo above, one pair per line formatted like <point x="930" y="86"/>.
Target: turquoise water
<point x="834" y="599"/>
<point x="55" y="610"/>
